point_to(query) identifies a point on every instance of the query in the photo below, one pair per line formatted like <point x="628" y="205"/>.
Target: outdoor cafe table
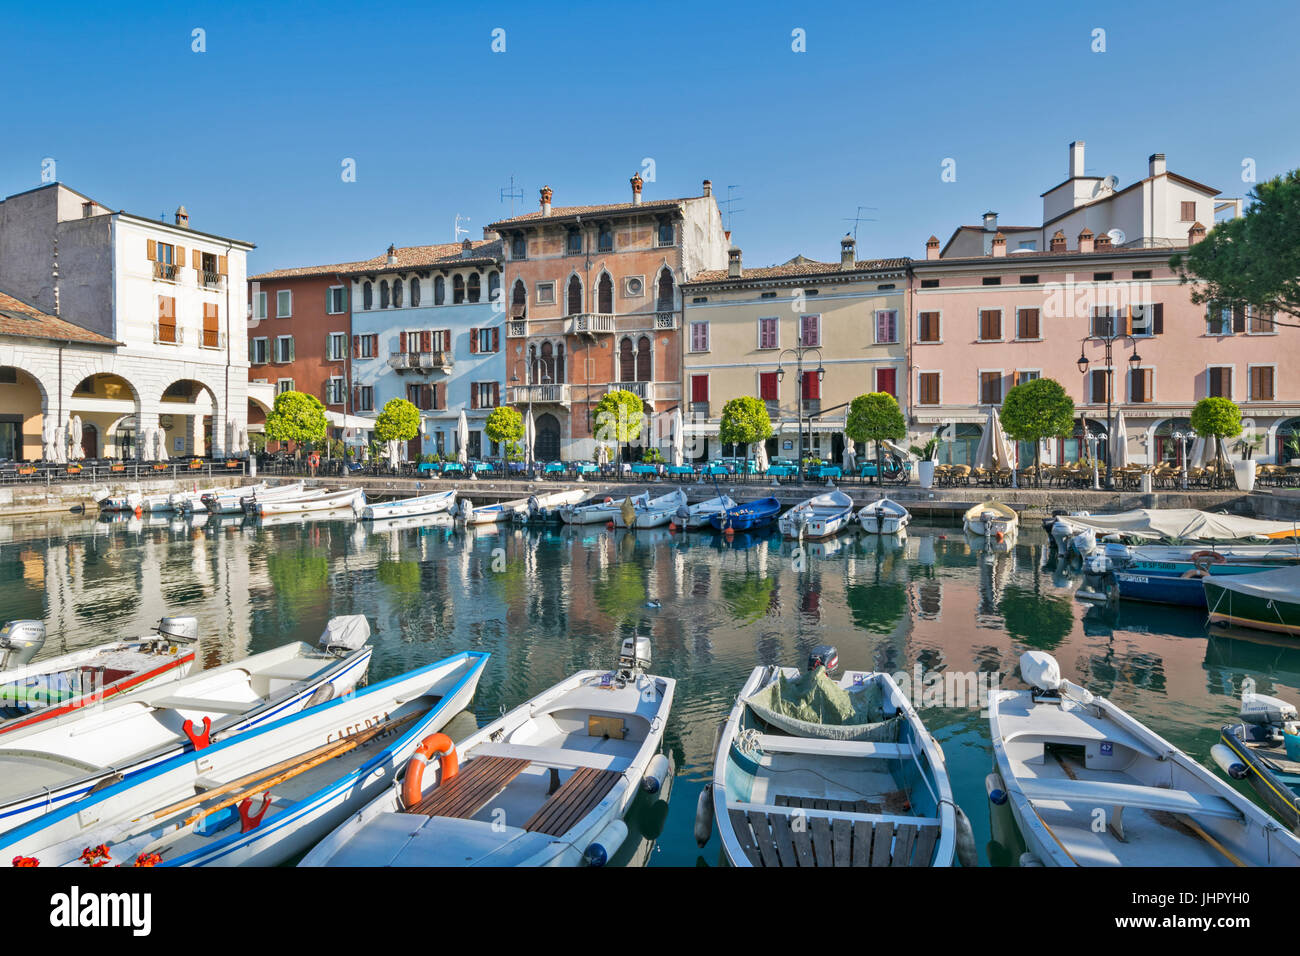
<point x="645" y="469"/>
<point x="586" y="468"/>
<point x="554" y="468"/>
<point x="825" y="471"/>
<point x="781" y="471"/>
<point x="449" y="466"/>
<point x="680" y="471"/>
<point x="714" y="468"/>
<point x="483" y="466"/>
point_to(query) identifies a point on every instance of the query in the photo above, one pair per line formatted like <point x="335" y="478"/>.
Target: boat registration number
<point x="356" y="728"/>
<point x="1134" y="578"/>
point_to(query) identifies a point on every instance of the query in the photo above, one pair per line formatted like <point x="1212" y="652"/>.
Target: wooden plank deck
<point x="772" y="839"/>
<point x="464" y="795"/>
<point x="573" y="801"/>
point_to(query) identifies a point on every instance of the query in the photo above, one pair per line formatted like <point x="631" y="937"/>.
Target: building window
<point x="1103" y="276"/>
<point x="1141" y="382"/>
<point x="769" y="386"/>
<point x="812" y="385"/>
<point x="574" y="295"/>
<point x="472" y="287"/>
<point x="810" y="330"/>
<point x="992" y="280"/>
<point x="605" y="239"/>
<point x="767" y="295"/>
<point x="334" y="299"/>
<point x="1103" y="322"/>
<point x="665" y="236"/>
<point x="415" y="293"/>
<point x="483" y="394"/>
<point x="365" y="346"/>
<point x="259" y="305"/>
<point x="1220" y="381"/>
<point x="927" y="327"/>
<point x="519" y="297"/>
<point x="928" y="388"/>
<point x="494" y="286"/>
<point x="1098" y="379"/>
<point x="768" y="333"/>
<point x="1027" y="324"/>
<point x="887" y="381"/>
<point x="573" y="244"/>
<point x="283" y="385"/>
<point x="699" y="336"/>
<point x="1259" y="322"/>
<point x="334" y="391"/>
<point x="283" y="348"/>
<point x="929" y="283"/>
<point x="487" y="340"/>
<point x="886" y="326"/>
<point x="257" y="351"/>
<point x="367" y="296"/>
<point x="366" y="398"/>
<point x="991" y="388"/>
<point x="605" y="294"/>
<point x="336" y="344"/>
<point x="1027" y="375"/>
<point x="439" y="290"/>
<point x="644" y="354"/>
<point x="626" y="362"/>
<point x="990" y="325"/>
<point x="1141" y="273"/>
<point x="398" y="285"/>
<point x="666" y="297"/>
<point x="1029" y="280"/>
<point x="1261" y="383"/>
<point x="699" y="388"/>
<point x="1221" y="319"/>
<point x="518" y="248"/>
<point x="167" y="332"/>
<point x="284" y="303"/>
<point x="383" y="293"/>
<point x="457" y="289"/>
<point x="1187" y="212"/>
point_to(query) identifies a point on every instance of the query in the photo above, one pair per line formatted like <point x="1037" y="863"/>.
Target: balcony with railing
<point x="168" y="334"/>
<point x="665" y="319"/>
<point x="642" y="390"/>
<point x="699" y="409"/>
<point x="591" y="323"/>
<point x="435" y="361"/>
<point x="557" y="394"/>
<point x="517" y="329"/>
<point x="210" y="280"/>
<point x="166" y="271"/>
<point x="212" y="339"/>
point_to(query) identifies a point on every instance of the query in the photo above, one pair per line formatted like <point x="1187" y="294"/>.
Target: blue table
<point x="480" y="466"/>
<point x="645" y="469"/>
<point x="825" y="471"/>
<point x="449" y="466"/>
<point x="427" y="466"/>
<point x="554" y="468"/>
<point x="683" y="470"/>
<point x="714" y="468"/>
<point x="586" y="468"/>
<point x="781" y="471"/>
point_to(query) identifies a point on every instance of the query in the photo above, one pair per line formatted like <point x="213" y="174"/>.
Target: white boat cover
<point x="813" y="705"/>
<point x="1184" y="524"/>
<point x="1281" y="586"/>
<point x="348" y="632"/>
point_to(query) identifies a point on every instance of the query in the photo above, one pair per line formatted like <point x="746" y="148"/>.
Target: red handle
<point x="247" y="819"/>
<point x="198" y="740"/>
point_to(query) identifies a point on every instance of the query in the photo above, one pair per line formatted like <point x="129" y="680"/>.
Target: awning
<point x="339" y="420"/>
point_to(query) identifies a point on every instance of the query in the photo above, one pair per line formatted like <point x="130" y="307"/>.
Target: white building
<point x="170" y="297"/>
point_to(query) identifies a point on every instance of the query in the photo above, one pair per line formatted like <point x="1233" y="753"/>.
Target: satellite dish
<point x="1112" y="183"/>
<point x="1117" y="237"/>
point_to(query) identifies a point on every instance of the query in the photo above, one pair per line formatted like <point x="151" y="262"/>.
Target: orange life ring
<point x="314" y="459"/>
<point x="434" y="745"/>
<point x="1202" y="560"/>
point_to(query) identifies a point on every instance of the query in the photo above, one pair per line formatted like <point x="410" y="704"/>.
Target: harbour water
<point x="935" y="609"/>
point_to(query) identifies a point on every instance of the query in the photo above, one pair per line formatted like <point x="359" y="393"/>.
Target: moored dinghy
<point x="884" y="516"/>
<point x="546" y="507"/>
<point x="231" y="501"/>
<point x="468" y="514"/>
<point x="754" y="514"/>
<point x="1265" y="601"/>
<point x="1062" y="754"/>
<point x="352" y="499"/>
<point x="1264" y="750"/>
<point x="188" y="502"/>
<point x="818" y="517"/>
<point x="810" y="771"/>
<point x="600" y="512"/>
<point x="437" y="502"/>
<point x="263" y="796"/>
<point x="654" y="513"/>
<point x="991" y="519"/>
<point x="697" y="516"/>
<point x="45" y="765"/>
<point x="548" y="784"/>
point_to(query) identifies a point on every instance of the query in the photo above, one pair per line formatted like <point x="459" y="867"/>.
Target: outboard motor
<point x="20" y="641"/>
<point x="824" y="655"/>
<point x="345" y="634"/>
<point x="634" y="656"/>
<point x="1041" y="671"/>
<point x="182" y="629"/>
<point x="1265" y="718"/>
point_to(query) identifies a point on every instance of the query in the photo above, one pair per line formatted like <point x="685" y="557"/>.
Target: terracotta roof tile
<point x="560" y="212"/>
<point x="19" y="318"/>
<point x="408" y="257"/>
<point x="795" y="270"/>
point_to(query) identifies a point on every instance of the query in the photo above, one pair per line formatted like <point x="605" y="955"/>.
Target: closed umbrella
<point x="1119" y="445"/>
<point x="984" y="451"/>
<point x="75" y="451"/>
<point x="160" y="444"/>
<point x="850" y="448"/>
<point x="60" y="444"/>
<point x="462" y="439"/>
<point x="1003" y="456"/>
<point x="243" y="440"/>
<point x="529" y="428"/>
<point x="678" y="438"/>
<point x="1199" y="454"/>
<point x="760" y="456"/>
<point x="47" y="439"/>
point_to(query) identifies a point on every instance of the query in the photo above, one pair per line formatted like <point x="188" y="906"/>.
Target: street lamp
<point x="799" y="352"/>
<point x="1183" y="438"/>
<point x="1108" y="340"/>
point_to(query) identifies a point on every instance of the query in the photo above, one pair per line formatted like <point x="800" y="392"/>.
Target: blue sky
<point x="251" y="134"/>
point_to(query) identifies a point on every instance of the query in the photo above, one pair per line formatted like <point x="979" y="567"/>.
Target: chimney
<point x="708" y="188"/>
<point x="1058" y="241"/>
<point x="87" y="209"/>
<point x="637" y="183"/>
<point x="487" y="232"/>
<point x="1085" y="241"/>
<point x="182" y="217"/>
<point x="1195" y="234"/>
<point x="1102" y="242"/>
<point x="1156" y="164"/>
<point x="466" y="247"/>
<point x="999" y="245"/>
<point x="932" y="247"/>
<point x="392" y="255"/>
<point x="1076" y="159"/>
<point x="547" y="193"/>
<point x="848" y="255"/>
<point x="990" y="222"/>
<point x="733" y="263"/>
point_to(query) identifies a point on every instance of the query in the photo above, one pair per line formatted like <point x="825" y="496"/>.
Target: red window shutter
<point x="473" y="341"/>
<point x="356" y="346"/>
<point x="473" y="394"/>
<point x="767" y="386"/>
<point x="1239" y="318"/>
<point x="426" y="341"/>
<point x="1158" y="320"/>
<point x="699" y="388"/>
<point x="886" y="381"/>
<point x="402" y="343"/>
<point x="496" y="340"/>
<point x="446" y="339"/>
<point x="812" y="386"/>
<point x="496" y="387"/>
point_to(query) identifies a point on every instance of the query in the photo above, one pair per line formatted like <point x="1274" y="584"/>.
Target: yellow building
<point x="753" y="331"/>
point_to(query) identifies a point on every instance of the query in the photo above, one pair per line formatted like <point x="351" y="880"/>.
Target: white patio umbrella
<point x="462" y="439"/>
<point x="160" y="444"/>
<point x="530" y="428"/>
<point x="232" y="436"/>
<point x="760" y="456"/>
<point x="984" y="451"/>
<point x="1199" y="454"/>
<point x="602" y="454"/>
<point x="1003" y="454"/>
<point x="243" y="440"/>
<point x="850" y="461"/>
<point x="75" y="452"/>
<point x="60" y="444"/>
<point x="678" y="437"/>
<point x="1119" y="449"/>
<point x="47" y="439"/>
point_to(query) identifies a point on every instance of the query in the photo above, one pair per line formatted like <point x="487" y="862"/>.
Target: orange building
<point x="594" y="304"/>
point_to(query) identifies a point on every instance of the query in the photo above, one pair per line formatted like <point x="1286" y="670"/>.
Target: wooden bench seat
<point x="774" y="839"/>
<point x="555" y="756"/>
<point x="478" y="781"/>
<point x="573" y="801"/>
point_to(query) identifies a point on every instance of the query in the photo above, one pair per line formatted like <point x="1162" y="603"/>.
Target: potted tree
<point x="876" y="417"/>
<point x="1220" y="418"/>
<point x="1035" y="411"/>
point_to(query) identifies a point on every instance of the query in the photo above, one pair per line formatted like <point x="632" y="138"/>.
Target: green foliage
<point x="1037" y="619"/>
<point x="296" y="417"/>
<point x="1254" y="258"/>
<point x="514" y="451"/>
<point x="618" y="416"/>
<point x="878" y="608"/>
<point x="1035" y="411"/>
<point x="744" y="421"/>
<point x="652" y="456"/>
<point x="297" y="573"/>
<point x="1217" y="417"/>
<point x="256" y="442"/>
<point x="1248" y="442"/>
<point x="505" y="426"/>
<point x="427" y="459"/>
<point x="876" y="417"/>
<point x="924" y="452"/>
<point x="399" y="421"/>
<point x="402" y="576"/>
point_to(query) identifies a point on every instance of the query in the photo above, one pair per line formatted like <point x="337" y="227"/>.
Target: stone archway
<point x="187" y="413"/>
<point x="546" y="447"/>
<point x="23" y="404"/>
<point x="101" y="399"/>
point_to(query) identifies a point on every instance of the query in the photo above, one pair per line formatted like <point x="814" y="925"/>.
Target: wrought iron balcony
<point x="164" y="334"/>
<point x="517" y="329"/>
<point x="436" y="361"/>
<point x="210" y="280"/>
<point x="167" y="271"/>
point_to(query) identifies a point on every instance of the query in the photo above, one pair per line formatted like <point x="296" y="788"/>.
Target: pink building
<point x="984" y="318"/>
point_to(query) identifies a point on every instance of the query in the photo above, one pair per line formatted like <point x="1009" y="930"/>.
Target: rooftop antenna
<point x="54" y="274"/>
<point x="858" y="217"/>
<point x="459" y="230"/>
<point x="511" y="193"/>
<point x="729" y="203"/>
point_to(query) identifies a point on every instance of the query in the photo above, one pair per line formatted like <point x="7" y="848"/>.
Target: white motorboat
<point x="654" y="513"/>
<point x="545" y="507"/>
<point x="1088" y="785"/>
<point x="32" y="693"/>
<point x="1172" y="525"/>
<point x="694" y="517"/>
<point x="818" y="517"/>
<point x="884" y="516"/>
<point x="47" y="765"/>
<point x="231" y="501"/>
<point x="813" y="771"/>
<point x="467" y="514"/>
<point x="127" y="501"/>
<point x="548" y="784"/>
<point x="991" y="519"/>
<point x="351" y="499"/>
<point x="410" y="507"/>
<point x="263" y="796"/>
<point x="193" y="501"/>
<point x="601" y="512"/>
<point x="441" y="520"/>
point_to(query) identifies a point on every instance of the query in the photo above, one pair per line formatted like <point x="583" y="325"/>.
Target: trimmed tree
<point x="505" y="426"/>
<point x="1216" y="418"/>
<point x="1035" y="411"/>
<point x="296" y="417"/>
<point x="876" y="417"/>
<point x="398" y="421"/>
<point x="744" y="421"/>
<point x="618" y="417"/>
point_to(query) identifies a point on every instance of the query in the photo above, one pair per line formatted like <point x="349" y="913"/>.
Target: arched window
<point x="575" y="295"/>
<point x="665" y="290"/>
<point x="473" y="287"/>
<point x="547" y="364"/>
<point x="383" y="293"/>
<point x="532" y="364"/>
<point x="605" y="294"/>
<point x="367" y="296"/>
<point x="559" y="363"/>
<point x="518" y="246"/>
<point x="519" y="298"/>
<point x="626" y="362"/>
<point x="643" y="359"/>
<point x="415" y="293"/>
<point x="457" y="289"/>
<point x="397" y="293"/>
<point x="439" y="291"/>
<point x="494" y="285"/>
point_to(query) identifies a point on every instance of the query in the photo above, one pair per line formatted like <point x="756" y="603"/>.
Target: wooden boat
<point x="262" y="796"/>
<point x="46" y="765"/>
<point x="231" y="502"/>
<point x="818" y="517"/>
<point x="352" y="498"/>
<point x="601" y="512"/>
<point x="467" y="514"/>
<point x="546" y="507"/>
<point x="130" y="502"/>
<point x="548" y="784"/>
<point x="1178" y="583"/>
<point x="1266" y="601"/>
<point x="884" y="516"/>
<point x="409" y="507"/>
<point x="655" y="513"/>
<point x="1066" y="760"/>
<point x="755" y="514"/>
<point x="252" y="505"/>
<point x="1178" y="525"/>
<point x="1264" y="750"/>
<point x="192" y="501"/>
<point x="697" y="516"/>
<point x="868" y="787"/>
<point x="991" y="519"/>
<point x="32" y="693"/>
